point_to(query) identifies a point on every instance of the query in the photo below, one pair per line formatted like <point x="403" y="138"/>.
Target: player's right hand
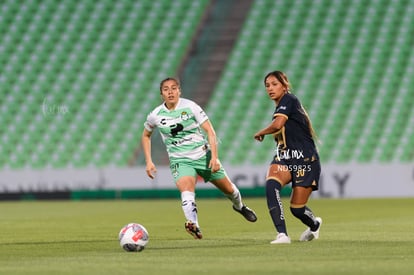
<point x="151" y="170"/>
<point x="259" y="137"/>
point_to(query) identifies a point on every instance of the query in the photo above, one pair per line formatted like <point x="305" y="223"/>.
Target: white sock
<point x="189" y="206"/>
<point x="235" y="197"/>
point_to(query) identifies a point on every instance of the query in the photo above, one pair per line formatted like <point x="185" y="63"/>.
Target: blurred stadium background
<point x="77" y="78"/>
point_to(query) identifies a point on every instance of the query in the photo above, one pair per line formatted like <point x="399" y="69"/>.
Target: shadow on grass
<point x="155" y="244"/>
<point x="179" y="244"/>
<point x="59" y="242"/>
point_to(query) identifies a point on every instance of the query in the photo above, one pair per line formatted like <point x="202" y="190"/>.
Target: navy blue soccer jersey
<point x="295" y="139"/>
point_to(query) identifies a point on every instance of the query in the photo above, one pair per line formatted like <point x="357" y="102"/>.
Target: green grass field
<point x="370" y="236"/>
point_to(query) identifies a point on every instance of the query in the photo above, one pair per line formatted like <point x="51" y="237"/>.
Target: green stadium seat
<point x="340" y="51"/>
<point x="65" y="48"/>
<point x="76" y="53"/>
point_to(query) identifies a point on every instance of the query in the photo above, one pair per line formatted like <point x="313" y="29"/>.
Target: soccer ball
<point x="133" y="237"/>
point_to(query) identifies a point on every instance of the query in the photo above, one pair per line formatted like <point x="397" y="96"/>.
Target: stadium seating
<point x="78" y="77"/>
<point x="349" y="63"/>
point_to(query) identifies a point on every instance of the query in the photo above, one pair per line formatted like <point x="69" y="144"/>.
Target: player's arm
<point x="146" y="146"/>
<point x="212" y="141"/>
<point x="277" y="123"/>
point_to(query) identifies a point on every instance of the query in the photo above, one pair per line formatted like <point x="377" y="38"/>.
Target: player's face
<point x="170" y="92"/>
<point x="274" y="88"/>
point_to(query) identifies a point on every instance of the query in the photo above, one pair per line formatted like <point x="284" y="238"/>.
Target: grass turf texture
<point x="370" y="236"/>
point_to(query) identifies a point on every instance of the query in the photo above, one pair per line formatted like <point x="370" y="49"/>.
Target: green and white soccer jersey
<point x="180" y="129"/>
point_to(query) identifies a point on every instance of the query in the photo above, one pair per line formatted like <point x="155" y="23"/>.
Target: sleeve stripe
<point x="280" y="114"/>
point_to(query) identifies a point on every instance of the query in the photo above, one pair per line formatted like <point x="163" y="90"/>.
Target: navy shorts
<point x="304" y="172"/>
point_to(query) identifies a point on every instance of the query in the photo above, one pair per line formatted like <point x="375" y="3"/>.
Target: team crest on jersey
<point x="184" y="115"/>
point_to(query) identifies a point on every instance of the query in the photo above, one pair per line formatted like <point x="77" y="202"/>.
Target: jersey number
<point x="300" y="173"/>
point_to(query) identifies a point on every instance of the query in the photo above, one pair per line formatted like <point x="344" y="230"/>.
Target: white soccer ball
<point x="133" y="237"/>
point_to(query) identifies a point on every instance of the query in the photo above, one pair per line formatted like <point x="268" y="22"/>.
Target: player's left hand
<point x="214" y="165"/>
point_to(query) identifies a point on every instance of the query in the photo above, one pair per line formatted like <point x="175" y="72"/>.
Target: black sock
<point x="306" y="216"/>
<point x="274" y="204"/>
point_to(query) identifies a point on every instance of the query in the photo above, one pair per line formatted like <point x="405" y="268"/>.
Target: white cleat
<point x="309" y="235"/>
<point x="281" y="238"/>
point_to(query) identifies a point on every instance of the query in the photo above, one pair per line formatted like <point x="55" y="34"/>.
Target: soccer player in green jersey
<point x="191" y="144"/>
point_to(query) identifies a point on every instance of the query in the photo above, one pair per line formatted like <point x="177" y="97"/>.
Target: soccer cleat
<point x="193" y="230"/>
<point x="247" y="213"/>
<point x="281" y="238"/>
<point x="309" y="235"/>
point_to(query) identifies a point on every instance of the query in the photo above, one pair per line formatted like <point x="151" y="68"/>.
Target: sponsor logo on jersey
<point x="280" y="108"/>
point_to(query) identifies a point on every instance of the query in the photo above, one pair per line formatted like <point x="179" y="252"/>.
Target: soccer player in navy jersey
<point x="296" y="159"/>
